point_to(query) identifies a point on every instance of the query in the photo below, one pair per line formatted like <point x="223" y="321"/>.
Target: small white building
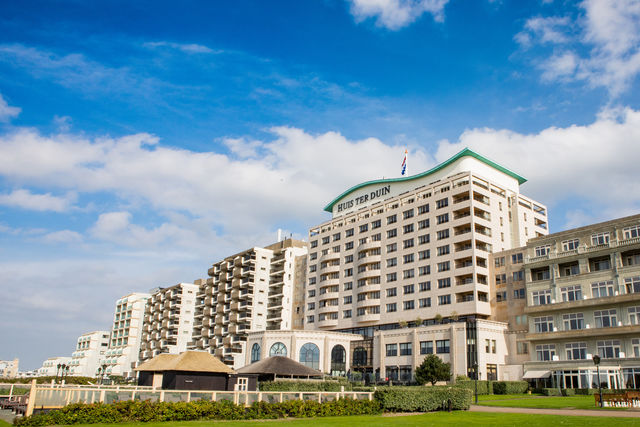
<point x="9" y="368"/>
<point x="49" y="367"/>
<point x="90" y="349"/>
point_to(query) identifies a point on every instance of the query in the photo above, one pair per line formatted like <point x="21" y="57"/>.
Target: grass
<point x="537" y="401"/>
<point x="16" y="390"/>
<point x="431" y="419"/>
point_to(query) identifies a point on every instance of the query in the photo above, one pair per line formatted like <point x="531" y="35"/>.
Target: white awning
<point x="536" y="374"/>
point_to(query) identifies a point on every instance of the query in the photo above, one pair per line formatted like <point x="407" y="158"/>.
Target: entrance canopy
<point x="531" y="375"/>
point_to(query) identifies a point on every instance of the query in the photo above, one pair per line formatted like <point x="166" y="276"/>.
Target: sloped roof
<point x="192" y="361"/>
<point x="463" y="153"/>
<point x="281" y="366"/>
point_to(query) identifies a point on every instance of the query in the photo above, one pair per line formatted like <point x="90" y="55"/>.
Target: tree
<point x="432" y="370"/>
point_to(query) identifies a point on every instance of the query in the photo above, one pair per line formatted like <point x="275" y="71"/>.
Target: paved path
<point x="582" y="412"/>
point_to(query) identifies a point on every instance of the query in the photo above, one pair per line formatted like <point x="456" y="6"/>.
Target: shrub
<point x="550" y="391"/>
<point x="568" y="392"/>
<point x="484" y="387"/>
<point x="585" y="391"/>
<point x="510" y="387"/>
<point x="422" y="399"/>
<point x="305" y="386"/>
<point x="432" y="370"/>
<point x="137" y="411"/>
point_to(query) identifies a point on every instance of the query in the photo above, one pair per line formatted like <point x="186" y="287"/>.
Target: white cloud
<point x="184" y="47"/>
<point x="6" y="111"/>
<point x="595" y="164"/>
<point x="25" y="199"/>
<point x="63" y="236"/>
<point x="395" y="14"/>
<point x="609" y="33"/>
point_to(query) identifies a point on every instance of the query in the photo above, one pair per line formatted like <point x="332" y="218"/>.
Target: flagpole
<point x="406" y="156"/>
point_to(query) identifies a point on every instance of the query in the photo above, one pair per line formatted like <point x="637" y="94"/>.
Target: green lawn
<point x="432" y="419"/>
<point x="533" y="401"/>
<point x="4" y="424"/>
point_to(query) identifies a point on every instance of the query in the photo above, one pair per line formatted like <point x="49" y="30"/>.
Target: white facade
<point x="50" y="366"/>
<point x="126" y="332"/>
<point x="9" y="368"/>
<point x="90" y="349"/>
<point x="168" y="320"/>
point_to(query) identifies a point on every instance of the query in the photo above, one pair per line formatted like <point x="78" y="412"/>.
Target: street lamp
<point x="596" y="361"/>
<point x="475" y="375"/>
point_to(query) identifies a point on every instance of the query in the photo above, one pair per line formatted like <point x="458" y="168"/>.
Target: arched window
<point x="255" y="352"/>
<point x="338" y="360"/>
<point x="359" y="356"/>
<point x="310" y="355"/>
<point x="278" y="349"/>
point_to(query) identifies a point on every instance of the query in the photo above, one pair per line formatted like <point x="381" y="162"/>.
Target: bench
<point x="627" y="399"/>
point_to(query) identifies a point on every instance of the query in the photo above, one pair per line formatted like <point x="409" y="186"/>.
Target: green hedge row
<point x="45" y="380"/>
<point x="136" y="411"/>
<point x="302" y="385"/>
<point x="423" y="399"/>
<point x="495" y="387"/>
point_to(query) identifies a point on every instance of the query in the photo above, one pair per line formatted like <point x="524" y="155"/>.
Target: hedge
<point x="305" y="386"/>
<point x="146" y="411"/>
<point x="46" y="380"/>
<point x="484" y="387"/>
<point x="495" y="387"/>
<point x="423" y="399"/>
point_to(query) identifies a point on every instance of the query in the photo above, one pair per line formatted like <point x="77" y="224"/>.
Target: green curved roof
<point x="463" y="153"/>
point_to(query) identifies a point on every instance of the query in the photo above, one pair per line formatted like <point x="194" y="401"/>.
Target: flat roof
<point x="464" y="153"/>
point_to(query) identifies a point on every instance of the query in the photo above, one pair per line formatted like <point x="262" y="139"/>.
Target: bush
<point x="484" y="387"/>
<point x="423" y="399"/>
<point x="585" y="391"/>
<point x="432" y="370"/>
<point x="137" y="411"/>
<point x="46" y="380"/>
<point x="510" y="387"/>
<point x="568" y="392"/>
<point x="305" y="386"/>
<point x="550" y="391"/>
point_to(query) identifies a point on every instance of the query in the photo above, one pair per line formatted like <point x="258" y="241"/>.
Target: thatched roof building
<point x="279" y="366"/>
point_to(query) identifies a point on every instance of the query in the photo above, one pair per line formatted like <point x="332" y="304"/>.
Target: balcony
<point x="584" y="333"/>
<point x="577" y="305"/>
<point x="327" y="323"/>
<point x="368" y="317"/>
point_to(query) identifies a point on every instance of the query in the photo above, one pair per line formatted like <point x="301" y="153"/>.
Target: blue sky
<point x="140" y="143"/>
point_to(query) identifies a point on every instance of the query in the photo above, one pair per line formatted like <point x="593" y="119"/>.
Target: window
<point x="408" y="289"/>
<point x="408" y="274"/>
<point x="313" y="256"/>
<point x="278" y="349"/>
<point x="632" y="284"/>
<point x="442" y="203"/>
<point x="576" y="350"/>
<point x="392" y="219"/>
<point x="348" y="299"/>
<point x="599" y="264"/>
<point x="518" y="276"/>
<point x="570" y="245"/>
<point x="336" y="237"/>
<point x="255" y="352"/>
<point x="310" y="355"/>
<point x="516" y="258"/>
<point x="406" y="349"/>
<point x="634" y="315"/>
<point x="444" y="266"/>
<point x="391" y="307"/>
<point x="311" y="306"/>
<point x="364" y="228"/>
<point x="426" y="254"/>
<point x="348" y="286"/>
<point x="312" y="293"/>
<point x="423" y="224"/>
<point x="424" y="302"/>
<point x="571" y="293"/>
<point x="501" y="296"/>
<point x="348" y="246"/>
<point x="407" y="243"/>
<point x="635" y="345"/>
<point x="605" y="318"/>
<point x="444" y="299"/>
<point x="499" y="262"/>
<point x="407" y="228"/>
<point x="423" y="209"/>
<point x="542" y="250"/>
<point x="348" y="233"/>
<point x="609" y="349"/>
<point x="348" y="259"/>
<point x="376" y="237"/>
<point x="392" y="247"/>
<point x="443" y="234"/>
<point x="325" y="240"/>
<point x="501" y="278"/>
<point x="314" y="244"/>
<point x="573" y="321"/>
<point x="376" y="224"/>
<point x="522" y="347"/>
<point x="407" y="214"/>
<point x="392" y="350"/>
<point x="362" y="241"/>
<point x="441" y="219"/>
<point x="602" y="289"/>
<point x="426" y="347"/>
<point x="424" y="239"/>
<point x="444" y="283"/>
<point x="424" y="286"/>
<point x="313" y="268"/>
<point x="391" y="292"/>
<point x="348" y="272"/>
<point x="541" y="297"/>
<point x="392" y="277"/>
<point x="443" y="250"/>
<point x="392" y="262"/>
<point x="442" y="346"/>
<point x="631" y="232"/>
<point x="519" y="293"/>
<point x="600" y="239"/>
<point x="424" y="270"/>
<point x="409" y="305"/>
<point x="545" y="352"/>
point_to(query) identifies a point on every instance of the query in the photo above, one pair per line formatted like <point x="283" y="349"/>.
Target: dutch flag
<point x="404" y="163"/>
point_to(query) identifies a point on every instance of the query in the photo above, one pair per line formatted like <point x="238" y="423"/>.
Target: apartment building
<point x="416" y="249"/>
<point x="9" y="368"/>
<point x="90" y="349"/>
<point x="50" y="368"/>
<point x="254" y="290"/>
<point x="126" y="333"/>
<point x="583" y="299"/>
<point x="168" y="320"/>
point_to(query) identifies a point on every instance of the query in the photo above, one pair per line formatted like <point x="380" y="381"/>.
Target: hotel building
<point x="168" y="320"/>
<point x="90" y="350"/>
<point x="126" y="332"/>
<point x="416" y="250"/>
<point x="255" y="290"/>
<point x="583" y="299"/>
<point x="9" y="368"/>
<point x="50" y="366"/>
